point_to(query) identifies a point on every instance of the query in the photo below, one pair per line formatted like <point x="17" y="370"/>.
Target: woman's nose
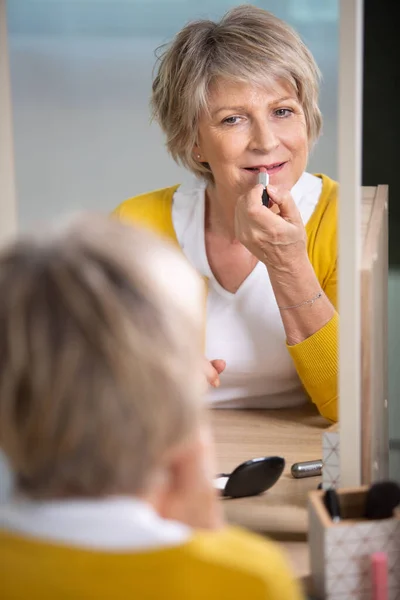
<point x="263" y="138"/>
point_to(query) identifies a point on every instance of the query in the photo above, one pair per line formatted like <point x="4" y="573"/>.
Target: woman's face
<point x="249" y="127"/>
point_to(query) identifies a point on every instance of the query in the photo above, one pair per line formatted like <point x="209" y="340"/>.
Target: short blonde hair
<point x="249" y="44"/>
<point x="97" y="365"/>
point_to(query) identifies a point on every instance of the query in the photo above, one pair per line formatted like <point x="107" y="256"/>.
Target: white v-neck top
<point x="245" y="328"/>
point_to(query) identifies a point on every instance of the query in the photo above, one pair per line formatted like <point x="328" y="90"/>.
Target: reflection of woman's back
<point x="102" y="420"/>
<point x="233" y="98"/>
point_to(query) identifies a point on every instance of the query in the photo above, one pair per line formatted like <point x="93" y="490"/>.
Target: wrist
<point x="294" y="282"/>
<point x="289" y="263"/>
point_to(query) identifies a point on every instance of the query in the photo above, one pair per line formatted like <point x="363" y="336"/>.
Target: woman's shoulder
<point x="329" y="186"/>
<point x="322" y="230"/>
<point x="325" y="213"/>
<point x="330" y="189"/>
<point x="146" y="202"/>
<point x="152" y="210"/>
<point x="257" y="563"/>
<point x="322" y="226"/>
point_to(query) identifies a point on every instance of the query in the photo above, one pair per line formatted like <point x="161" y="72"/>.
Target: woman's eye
<point x="231" y="120"/>
<point x="283" y="112"/>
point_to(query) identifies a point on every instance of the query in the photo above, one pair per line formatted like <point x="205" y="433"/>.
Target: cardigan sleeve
<point x="316" y="360"/>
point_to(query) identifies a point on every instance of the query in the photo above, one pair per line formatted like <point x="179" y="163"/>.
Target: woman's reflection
<point x="233" y="98"/>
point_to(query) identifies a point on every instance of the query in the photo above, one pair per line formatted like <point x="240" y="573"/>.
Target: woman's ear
<point x="187" y="493"/>
<point x="197" y="154"/>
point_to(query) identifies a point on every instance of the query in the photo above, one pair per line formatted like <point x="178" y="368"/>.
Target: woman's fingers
<point x="218" y="364"/>
<point x="275" y="239"/>
<point x="281" y="198"/>
<point x="213" y="369"/>
<point x="284" y="200"/>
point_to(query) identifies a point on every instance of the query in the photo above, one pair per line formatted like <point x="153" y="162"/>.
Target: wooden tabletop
<point x="294" y="434"/>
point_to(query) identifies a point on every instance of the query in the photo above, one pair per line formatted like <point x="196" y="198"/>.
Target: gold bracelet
<point x="310" y="302"/>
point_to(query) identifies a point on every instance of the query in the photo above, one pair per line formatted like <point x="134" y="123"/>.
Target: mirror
<point x="81" y="82"/>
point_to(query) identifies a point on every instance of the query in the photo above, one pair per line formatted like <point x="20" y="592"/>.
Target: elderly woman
<point x="103" y="422"/>
<point x="235" y="98"/>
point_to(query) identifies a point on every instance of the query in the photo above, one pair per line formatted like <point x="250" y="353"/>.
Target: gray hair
<point x="100" y="372"/>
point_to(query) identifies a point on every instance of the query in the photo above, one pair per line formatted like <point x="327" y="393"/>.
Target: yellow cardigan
<point x="212" y="565"/>
<point x="316" y="358"/>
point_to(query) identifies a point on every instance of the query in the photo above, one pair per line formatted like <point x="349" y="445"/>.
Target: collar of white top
<point x="119" y="523"/>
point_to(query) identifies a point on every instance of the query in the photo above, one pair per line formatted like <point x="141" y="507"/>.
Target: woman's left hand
<point x="276" y="235"/>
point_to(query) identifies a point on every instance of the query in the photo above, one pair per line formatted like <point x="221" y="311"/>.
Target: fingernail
<point x="272" y="189"/>
<point x="216" y="383"/>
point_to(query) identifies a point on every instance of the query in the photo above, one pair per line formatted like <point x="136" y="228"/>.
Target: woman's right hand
<point x="213" y="369"/>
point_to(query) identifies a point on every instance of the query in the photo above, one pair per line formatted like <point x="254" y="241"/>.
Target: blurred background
<point x="81" y="74"/>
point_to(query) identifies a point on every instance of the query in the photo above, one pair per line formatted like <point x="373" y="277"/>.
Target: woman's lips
<point x="270" y="170"/>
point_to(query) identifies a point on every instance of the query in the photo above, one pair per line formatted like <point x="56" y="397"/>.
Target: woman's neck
<point x="220" y="213"/>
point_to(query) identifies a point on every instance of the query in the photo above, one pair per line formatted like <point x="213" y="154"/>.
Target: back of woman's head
<point x="100" y="358"/>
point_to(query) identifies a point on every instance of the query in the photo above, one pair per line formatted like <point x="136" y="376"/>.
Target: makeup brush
<point x="382" y="498"/>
